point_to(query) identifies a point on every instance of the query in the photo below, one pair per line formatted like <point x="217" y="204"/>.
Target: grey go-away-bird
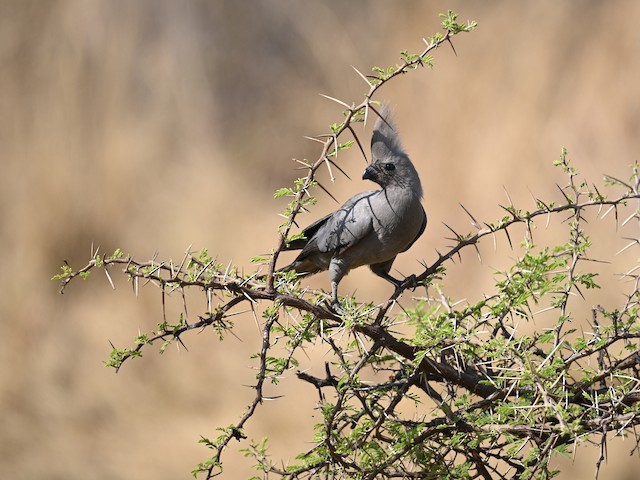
<point x="372" y="227"/>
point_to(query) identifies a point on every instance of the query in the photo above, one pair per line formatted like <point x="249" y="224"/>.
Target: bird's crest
<point x="385" y="141"/>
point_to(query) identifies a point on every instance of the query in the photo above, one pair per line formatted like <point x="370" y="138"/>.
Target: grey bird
<point x="372" y="227"/>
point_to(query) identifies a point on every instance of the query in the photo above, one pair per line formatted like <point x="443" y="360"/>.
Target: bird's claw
<point x="337" y="308"/>
<point x="410" y="282"/>
<point x="334" y="306"/>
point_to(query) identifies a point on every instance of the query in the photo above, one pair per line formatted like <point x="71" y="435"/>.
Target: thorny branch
<point x="603" y="409"/>
<point x="502" y="403"/>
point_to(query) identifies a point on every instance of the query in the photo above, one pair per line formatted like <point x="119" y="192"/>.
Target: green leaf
<point x="67" y="272"/>
<point x="260" y="259"/>
<point x="283" y="192"/>
<point x="116" y="255"/>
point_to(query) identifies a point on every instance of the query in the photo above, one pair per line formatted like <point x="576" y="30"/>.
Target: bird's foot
<point x="337" y="308"/>
<point x="334" y="306"/>
<point x="410" y="282"/>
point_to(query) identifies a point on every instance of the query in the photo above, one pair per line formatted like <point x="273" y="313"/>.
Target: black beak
<point x="370" y="173"/>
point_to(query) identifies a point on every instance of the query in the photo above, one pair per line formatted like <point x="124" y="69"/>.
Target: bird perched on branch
<point x="372" y="227"/>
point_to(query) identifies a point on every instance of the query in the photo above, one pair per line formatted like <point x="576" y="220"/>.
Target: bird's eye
<point x="389" y="167"/>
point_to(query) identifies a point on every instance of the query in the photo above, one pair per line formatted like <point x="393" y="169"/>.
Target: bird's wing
<point x="343" y="228"/>
<point x="308" y="232"/>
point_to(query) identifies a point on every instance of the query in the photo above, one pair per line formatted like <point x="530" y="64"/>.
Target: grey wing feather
<point x="332" y="234"/>
<point x="340" y="229"/>
<point x="346" y="226"/>
<point x="309" y="233"/>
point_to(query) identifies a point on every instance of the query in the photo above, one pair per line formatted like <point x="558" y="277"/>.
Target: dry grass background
<point x="153" y="125"/>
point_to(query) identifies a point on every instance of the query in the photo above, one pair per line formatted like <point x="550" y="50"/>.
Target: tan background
<point x="153" y="125"/>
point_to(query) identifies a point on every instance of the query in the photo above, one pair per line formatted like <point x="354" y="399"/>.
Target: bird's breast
<point x="397" y="218"/>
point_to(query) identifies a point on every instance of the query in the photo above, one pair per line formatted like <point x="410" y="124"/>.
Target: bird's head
<point x="390" y="166"/>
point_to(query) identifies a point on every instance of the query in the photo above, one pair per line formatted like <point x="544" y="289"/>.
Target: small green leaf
<point x="67" y="271"/>
<point x="283" y="192"/>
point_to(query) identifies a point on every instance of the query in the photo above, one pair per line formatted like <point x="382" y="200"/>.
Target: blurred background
<point x="151" y="126"/>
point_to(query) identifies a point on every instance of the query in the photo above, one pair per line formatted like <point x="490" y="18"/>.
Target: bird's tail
<point x="303" y="268"/>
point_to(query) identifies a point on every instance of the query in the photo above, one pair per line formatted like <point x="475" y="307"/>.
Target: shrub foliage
<point x="435" y="388"/>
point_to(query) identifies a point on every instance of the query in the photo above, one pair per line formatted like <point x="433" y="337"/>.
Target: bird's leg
<point x="336" y="272"/>
<point x="334" y="294"/>
<point x="397" y="283"/>
<point x="382" y="270"/>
